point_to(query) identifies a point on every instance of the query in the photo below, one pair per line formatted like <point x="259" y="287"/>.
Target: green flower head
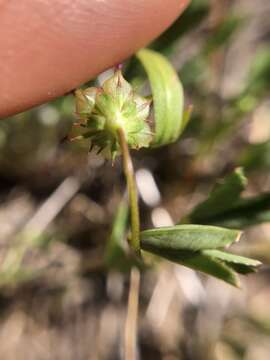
<point x="115" y="105"/>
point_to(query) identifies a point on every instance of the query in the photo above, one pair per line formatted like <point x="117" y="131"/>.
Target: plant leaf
<point x="196" y="246"/>
<point x="221" y="198"/>
<point x="240" y="264"/>
<point x="213" y="267"/>
<point x="200" y="262"/>
<point x="167" y="95"/>
<point x="187" y="237"/>
<point x="226" y="208"/>
<point x="245" y="212"/>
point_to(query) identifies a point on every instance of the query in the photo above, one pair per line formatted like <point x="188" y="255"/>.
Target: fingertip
<point x="53" y="47"/>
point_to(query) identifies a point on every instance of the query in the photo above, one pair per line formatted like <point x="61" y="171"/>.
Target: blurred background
<point x="62" y="294"/>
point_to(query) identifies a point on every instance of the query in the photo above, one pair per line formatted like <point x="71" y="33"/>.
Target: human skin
<point x="49" y="47"/>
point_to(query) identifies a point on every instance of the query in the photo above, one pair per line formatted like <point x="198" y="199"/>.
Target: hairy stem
<point x="132" y="193"/>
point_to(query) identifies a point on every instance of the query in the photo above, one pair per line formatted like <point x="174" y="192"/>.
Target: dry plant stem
<point x="132" y="193"/>
<point x="130" y="346"/>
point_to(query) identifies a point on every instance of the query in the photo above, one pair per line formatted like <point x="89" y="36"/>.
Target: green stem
<point x="132" y="193"/>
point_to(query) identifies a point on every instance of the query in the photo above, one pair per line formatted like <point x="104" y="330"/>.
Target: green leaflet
<point x="167" y="95"/>
<point x="188" y="237"/>
<point x="211" y="266"/>
<point x="200" y="262"/>
<point x="221" y="198"/>
<point x="240" y="264"/>
<point x="245" y="212"/>
<point x="225" y="207"/>
<point x="196" y="247"/>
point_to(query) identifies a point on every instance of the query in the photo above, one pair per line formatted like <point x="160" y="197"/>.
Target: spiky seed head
<point x="114" y="105"/>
